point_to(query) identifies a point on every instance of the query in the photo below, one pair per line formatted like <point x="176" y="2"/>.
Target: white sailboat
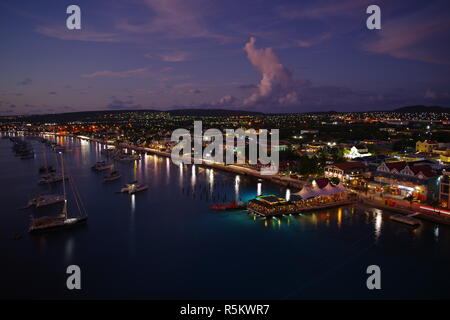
<point x="61" y="220"/>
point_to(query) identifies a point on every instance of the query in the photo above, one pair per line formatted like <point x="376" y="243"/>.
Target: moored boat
<point x="132" y="188"/>
<point x="45" y="200"/>
<point x="102" y="166"/>
<point x="51" y="178"/>
<point x="61" y="220"/>
<point x="128" y="158"/>
<point x="114" y="175"/>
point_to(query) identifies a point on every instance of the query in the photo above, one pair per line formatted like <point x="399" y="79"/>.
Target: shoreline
<point x="274" y="179"/>
<point x="228" y="168"/>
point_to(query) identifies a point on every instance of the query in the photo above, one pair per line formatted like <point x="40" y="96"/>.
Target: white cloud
<point x="277" y="87"/>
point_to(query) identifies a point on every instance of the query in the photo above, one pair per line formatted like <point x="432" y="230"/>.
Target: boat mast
<point x="64" y="186"/>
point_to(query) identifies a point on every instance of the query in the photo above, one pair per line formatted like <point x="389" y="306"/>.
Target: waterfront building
<point x="405" y="179"/>
<point x="444" y="190"/>
<point x="346" y="171"/>
<point x="320" y="194"/>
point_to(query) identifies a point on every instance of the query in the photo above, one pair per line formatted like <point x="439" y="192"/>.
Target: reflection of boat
<point x="234" y="205"/>
<point x="102" y="166"/>
<point x="45" y="200"/>
<point x="61" y="220"/>
<point x="112" y="176"/>
<point x="133" y="188"/>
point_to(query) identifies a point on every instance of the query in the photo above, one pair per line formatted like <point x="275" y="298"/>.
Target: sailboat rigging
<point x="61" y="220"/>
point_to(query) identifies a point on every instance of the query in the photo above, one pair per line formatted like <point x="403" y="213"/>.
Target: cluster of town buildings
<point x="373" y="152"/>
<point x="424" y="179"/>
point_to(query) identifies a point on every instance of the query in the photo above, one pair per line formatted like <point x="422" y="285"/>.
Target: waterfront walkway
<point x="238" y="169"/>
<point x="405" y="207"/>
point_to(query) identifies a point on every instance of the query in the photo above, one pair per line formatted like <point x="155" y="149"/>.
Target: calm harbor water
<point x="165" y="243"/>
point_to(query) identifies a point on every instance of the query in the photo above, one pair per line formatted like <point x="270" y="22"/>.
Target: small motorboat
<point x="115" y="175"/>
<point x="102" y="166"/>
<point x="129" y="158"/>
<point x="132" y="188"/>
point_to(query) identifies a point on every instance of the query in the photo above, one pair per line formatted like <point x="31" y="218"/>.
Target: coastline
<point x="289" y="183"/>
<point x="420" y="214"/>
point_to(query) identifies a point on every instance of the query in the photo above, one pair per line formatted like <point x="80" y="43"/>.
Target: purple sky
<point x="270" y="56"/>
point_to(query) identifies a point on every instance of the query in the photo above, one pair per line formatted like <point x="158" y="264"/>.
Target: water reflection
<point x="180" y="165"/>
<point x="237" y="181"/>
<point x="135" y="170"/>
<point x="378" y="223"/>
<point x="168" y="169"/>
<point x="339" y="217"/>
<point x="133" y="203"/>
<point x="210" y="174"/>
<point x="68" y="250"/>
<point x="193" y="176"/>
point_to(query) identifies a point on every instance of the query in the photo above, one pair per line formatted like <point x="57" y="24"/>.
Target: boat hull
<point x="55" y="227"/>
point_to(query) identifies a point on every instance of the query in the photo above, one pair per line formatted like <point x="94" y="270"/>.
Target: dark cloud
<point x="192" y="91"/>
<point x="25" y="82"/>
<point x="117" y="104"/>
<point x="248" y="87"/>
<point x="52" y="93"/>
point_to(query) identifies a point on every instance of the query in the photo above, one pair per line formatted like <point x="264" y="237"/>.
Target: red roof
<point x="322" y="182"/>
<point x="396" y="165"/>
<point x="345" y="166"/>
<point x="426" y="170"/>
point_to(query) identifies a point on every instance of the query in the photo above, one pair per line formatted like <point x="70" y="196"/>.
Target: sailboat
<point x="61" y="220"/>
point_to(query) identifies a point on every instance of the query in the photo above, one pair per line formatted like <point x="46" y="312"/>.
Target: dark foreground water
<point x="165" y="243"/>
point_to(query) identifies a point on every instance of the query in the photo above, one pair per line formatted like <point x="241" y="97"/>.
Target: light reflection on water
<point x="168" y="225"/>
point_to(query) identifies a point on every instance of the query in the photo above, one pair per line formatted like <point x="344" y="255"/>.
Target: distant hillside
<point x="75" y="116"/>
<point x="211" y="112"/>
<point x="87" y="115"/>
<point x="421" y="108"/>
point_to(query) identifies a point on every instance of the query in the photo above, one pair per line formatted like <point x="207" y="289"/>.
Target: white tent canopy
<point x="329" y="190"/>
<point x="307" y="193"/>
<point x="340" y="187"/>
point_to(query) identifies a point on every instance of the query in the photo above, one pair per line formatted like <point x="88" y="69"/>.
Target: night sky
<point x="269" y="56"/>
